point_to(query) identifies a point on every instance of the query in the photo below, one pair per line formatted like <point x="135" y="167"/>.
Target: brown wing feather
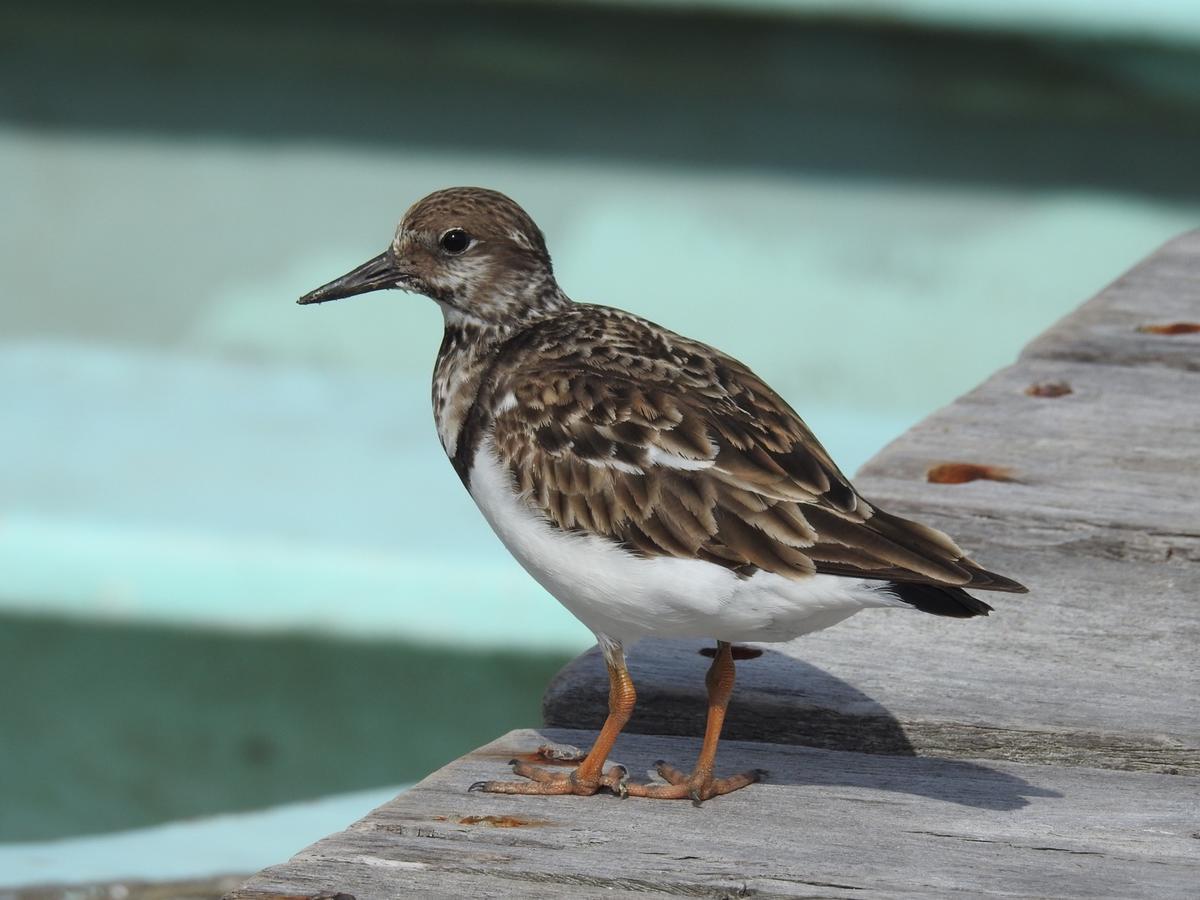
<point x="681" y="451"/>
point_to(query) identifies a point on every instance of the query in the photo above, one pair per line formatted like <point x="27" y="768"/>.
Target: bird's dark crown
<point x="484" y="214"/>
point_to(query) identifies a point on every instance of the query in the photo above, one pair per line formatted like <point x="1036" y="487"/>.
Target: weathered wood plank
<point x="1120" y="453"/>
<point x="825" y="824"/>
<point x="1163" y="290"/>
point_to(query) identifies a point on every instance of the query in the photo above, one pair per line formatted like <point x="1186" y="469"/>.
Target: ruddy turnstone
<point x="651" y="483"/>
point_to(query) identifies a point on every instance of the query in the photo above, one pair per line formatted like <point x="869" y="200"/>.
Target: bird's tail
<point x="938" y="600"/>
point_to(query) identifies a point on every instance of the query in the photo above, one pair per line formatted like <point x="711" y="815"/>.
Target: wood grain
<point x="1120" y="454"/>
<point x="1162" y="290"/>
<point x="825" y="824"/>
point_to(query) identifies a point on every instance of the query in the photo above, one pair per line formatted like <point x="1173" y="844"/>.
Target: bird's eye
<point x="455" y="241"/>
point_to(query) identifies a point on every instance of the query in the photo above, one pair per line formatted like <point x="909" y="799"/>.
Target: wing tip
<point x="983" y="580"/>
<point x="939" y="600"/>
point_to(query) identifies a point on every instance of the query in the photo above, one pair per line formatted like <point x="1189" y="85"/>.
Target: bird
<point x="655" y="486"/>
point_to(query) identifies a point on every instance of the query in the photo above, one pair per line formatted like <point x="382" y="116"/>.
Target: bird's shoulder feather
<point x="611" y="425"/>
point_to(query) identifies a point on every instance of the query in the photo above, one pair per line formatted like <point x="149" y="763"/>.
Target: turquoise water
<point x="228" y="844"/>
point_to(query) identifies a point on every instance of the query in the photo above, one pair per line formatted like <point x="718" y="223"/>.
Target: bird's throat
<point x="468" y="349"/>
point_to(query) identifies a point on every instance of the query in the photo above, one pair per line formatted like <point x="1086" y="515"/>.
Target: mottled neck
<point x="469" y="346"/>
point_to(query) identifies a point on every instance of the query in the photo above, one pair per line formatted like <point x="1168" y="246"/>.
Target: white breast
<point x="624" y="597"/>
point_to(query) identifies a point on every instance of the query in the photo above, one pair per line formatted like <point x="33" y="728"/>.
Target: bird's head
<point x="474" y="251"/>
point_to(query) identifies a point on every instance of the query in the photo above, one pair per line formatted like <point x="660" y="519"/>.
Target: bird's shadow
<point x="839" y="717"/>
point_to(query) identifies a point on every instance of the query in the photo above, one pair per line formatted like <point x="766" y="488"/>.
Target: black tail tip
<point x="940" y="601"/>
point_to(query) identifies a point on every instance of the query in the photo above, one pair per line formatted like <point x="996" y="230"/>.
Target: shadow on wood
<point x="671" y="705"/>
<point x="947" y="780"/>
<point x="668" y="707"/>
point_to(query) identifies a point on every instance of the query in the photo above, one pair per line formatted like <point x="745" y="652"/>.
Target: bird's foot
<point x="543" y="781"/>
<point x="697" y="787"/>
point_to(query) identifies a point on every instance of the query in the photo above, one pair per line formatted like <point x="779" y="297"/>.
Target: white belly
<point x="625" y="597"/>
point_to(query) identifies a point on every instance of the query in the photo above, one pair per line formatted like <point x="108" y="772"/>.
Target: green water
<point x="108" y="727"/>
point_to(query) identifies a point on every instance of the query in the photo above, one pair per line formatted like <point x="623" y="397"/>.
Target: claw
<point x="616" y="780"/>
<point x="623" y="787"/>
<point x="477" y="786"/>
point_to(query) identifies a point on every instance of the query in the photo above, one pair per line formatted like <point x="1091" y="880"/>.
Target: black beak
<point x="373" y="275"/>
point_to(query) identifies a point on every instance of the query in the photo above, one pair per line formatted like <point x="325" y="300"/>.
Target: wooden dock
<point x="1051" y="750"/>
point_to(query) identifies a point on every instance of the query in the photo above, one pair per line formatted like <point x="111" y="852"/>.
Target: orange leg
<point x="590" y="776"/>
<point x="700" y="785"/>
